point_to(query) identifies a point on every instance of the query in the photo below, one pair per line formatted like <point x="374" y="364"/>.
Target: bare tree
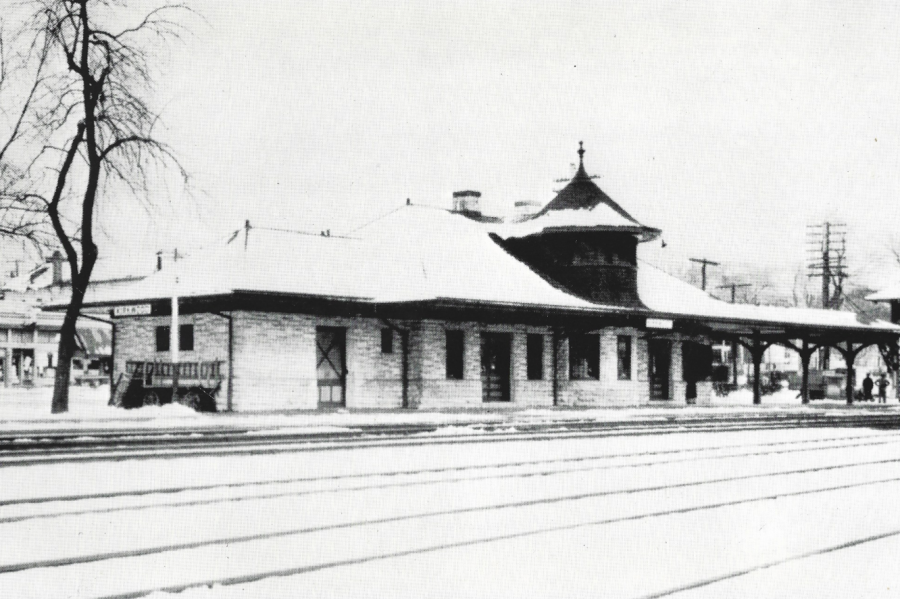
<point x="801" y="297"/>
<point x="87" y="126"/>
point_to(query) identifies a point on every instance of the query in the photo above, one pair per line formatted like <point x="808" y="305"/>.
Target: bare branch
<point x="91" y="80"/>
<point x="53" y="207"/>
<point x="26" y="105"/>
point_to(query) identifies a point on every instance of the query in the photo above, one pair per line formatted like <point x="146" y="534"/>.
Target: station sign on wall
<point x="659" y="323"/>
<point x="135" y="310"/>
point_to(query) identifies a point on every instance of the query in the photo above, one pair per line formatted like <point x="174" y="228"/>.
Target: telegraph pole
<point x="734" y="287"/>
<point x="704" y="263"/>
<point x="826" y="246"/>
<point x="734" y="344"/>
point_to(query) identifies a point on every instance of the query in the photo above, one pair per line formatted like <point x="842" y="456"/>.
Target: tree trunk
<point x="66" y="348"/>
<point x="64" y="353"/>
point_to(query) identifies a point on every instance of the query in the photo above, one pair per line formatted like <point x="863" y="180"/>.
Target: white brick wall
<point x="608" y="390"/>
<point x="275" y="363"/>
<point x="525" y="392"/>
<point x="429" y="385"/>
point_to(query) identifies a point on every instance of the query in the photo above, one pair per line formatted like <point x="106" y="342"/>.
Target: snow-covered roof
<point x="107" y="270"/>
<point x="580" y="205"/>
<point x="452" y="257"/>
<point x="666" y="294"/>
<point x="18" y="313"/>
<point x="37" y="278"/>
<point x="413" y="254"/>
<point x="885" y="295"/>
<point x="422" y="254"/>
<point x="598" y="218"/>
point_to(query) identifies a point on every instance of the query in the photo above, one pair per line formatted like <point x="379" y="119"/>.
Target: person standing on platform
<point x="867" y="387"/>
<point x="883" y="384"/>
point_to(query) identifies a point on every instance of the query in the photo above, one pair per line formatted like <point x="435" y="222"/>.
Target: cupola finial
<point x="581" y="153"/>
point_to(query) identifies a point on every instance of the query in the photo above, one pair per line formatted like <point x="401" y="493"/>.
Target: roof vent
<point x="466" y="202"/>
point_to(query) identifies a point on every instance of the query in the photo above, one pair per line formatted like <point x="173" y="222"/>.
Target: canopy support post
<point x="849" y="359"/>
<point x="805" y="356"/>
<point x="805" y="352"/>
<point x="757" y="359"/>
<point x="555" y="342"/>
<point x="849" y="354"/>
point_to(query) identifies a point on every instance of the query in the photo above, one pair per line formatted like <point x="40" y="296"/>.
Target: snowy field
<point x="760" y="513"/>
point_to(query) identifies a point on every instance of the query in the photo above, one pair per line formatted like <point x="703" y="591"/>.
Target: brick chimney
<point x="57" y="261"/>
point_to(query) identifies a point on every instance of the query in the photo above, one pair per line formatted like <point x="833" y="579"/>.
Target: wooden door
<point x="331" y="371"/>
<point x="495" y="366"/>
<point x="660" y="367"/>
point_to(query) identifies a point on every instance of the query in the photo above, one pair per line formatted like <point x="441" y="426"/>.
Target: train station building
<point x="446" y="308"/>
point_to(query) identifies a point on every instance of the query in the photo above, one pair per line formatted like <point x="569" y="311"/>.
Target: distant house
<point x="29" y="337"/>
<point x="444" y="309"/>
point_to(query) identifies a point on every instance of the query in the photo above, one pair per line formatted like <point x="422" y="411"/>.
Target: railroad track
<point x="705" y="500"/>
<point x="43" y="446"/>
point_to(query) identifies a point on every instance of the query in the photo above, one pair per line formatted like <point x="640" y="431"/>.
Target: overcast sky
<point x="730" y="126"/>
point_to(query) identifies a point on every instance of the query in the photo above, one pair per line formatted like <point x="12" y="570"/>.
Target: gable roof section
<point x="411" y="255"/>
<point x="420" y="254"/>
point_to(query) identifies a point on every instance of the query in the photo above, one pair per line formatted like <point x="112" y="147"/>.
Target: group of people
<point x="868" y="384"/>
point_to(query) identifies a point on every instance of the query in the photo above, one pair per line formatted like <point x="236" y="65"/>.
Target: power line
<point x="325" y="233"/>
<point x="385" y="215"/>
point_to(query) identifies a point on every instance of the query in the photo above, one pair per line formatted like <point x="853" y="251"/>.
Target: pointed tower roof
<point x="581" y="205"/>
<point x="582" y="193"/>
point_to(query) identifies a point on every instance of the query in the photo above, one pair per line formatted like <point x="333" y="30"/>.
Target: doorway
<point x="495" y="366"/>
<point x="696" y="366"/>
<point x="660" y="367"/>
<point x="331" y="370"/>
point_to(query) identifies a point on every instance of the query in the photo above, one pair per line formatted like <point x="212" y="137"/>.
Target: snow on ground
<point x="29" y="409"/>
<point x="611" y="517"/>
<point x="86" y="404"/>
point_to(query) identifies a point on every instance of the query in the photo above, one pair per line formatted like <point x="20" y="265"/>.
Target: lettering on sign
<point x="136" y="310"/>
<point x="659" y="323"/>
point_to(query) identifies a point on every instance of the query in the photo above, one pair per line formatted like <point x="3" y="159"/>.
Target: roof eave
<point x="643" y="233"/>
<point x="764" y="324"/>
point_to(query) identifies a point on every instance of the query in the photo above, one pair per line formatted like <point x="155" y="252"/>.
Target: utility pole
<point x="704" y="263"/>
<point x="734" y="287"/>
<point x="734" y="344"/>
<point x="826" y="246"/>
